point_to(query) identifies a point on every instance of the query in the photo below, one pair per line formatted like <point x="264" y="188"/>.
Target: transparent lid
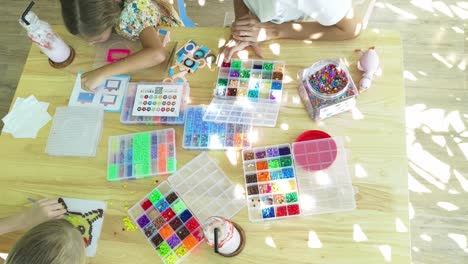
<point x="323" y="176"/>
<point x="75" y="131"/>
<point x="207" y="190"/>
<point x="327" y="79"/>
<point x="199" y="134"/>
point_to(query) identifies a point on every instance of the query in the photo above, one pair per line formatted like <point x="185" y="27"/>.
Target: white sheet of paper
<point x="26" y="117"/>
<point x="40" y="120"/>
<point x="162" y="100"/>
<point x="94" y="218"/>
<point x="115" y="85"/>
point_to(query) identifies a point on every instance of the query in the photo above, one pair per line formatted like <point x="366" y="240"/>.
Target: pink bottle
<point x="59" y="53"/>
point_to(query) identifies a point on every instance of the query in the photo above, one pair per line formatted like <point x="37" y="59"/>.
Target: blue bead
<point x="185" y="216"/>
<point x="268" y="212"/>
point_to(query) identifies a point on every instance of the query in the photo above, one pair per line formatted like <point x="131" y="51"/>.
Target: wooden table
<point x="375" y="138"/>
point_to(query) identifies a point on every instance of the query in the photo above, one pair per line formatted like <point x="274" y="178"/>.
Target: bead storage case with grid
<point x="242" y="112"/>
<point x="270" y="182"/>
<point x="75" y="131"/>
<point x="247" y="92"/>
<point x="207" y="190"/>
<point x="323" y="178"/>
<point x="127" y="117"/>
<point x="326" y="89"/>
<point x="169" y="226"/>
<point x="199" y="134"/>
<point x="170" y="216"/>
<point x="141" y="155"/>
<point x="252" y="79"/>
<point x="311" y="178"/>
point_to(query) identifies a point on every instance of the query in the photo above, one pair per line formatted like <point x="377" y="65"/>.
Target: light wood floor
<point x="434" y="40"/>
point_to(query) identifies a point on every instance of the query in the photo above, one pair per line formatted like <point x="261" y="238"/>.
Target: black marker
<point x="216" y="240"/>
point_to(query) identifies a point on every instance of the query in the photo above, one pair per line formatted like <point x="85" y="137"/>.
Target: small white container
<point x="40" y="32"/>
<point x="229" y="238"/>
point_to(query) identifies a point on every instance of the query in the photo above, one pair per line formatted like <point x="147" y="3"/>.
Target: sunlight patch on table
<point x="358" y="234"/>
<point x="448" y="206"/>
<point x="386" y="252"/>
<point x="314" y="241"/>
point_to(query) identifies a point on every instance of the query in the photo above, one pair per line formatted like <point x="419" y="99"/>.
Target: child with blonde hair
<point x="95" y="20"/>
<point x="55" y="241"/>
<point x="51" y="240"/>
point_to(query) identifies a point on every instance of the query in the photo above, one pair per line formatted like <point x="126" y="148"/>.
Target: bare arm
<point x="240" y="9"/>
<point x="347" y="28"/>
<point x="11" y="223"/>
<point x="150" y="55"/>
<point x="39" y="212"/>
<point x="251" y="29"/>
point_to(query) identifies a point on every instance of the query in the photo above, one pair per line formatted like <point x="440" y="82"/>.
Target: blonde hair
<point x="52" y="242"/>
<point x="90" y="18"/>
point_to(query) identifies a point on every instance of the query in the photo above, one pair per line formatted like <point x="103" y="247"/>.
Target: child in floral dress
<point x="95" y="20"/>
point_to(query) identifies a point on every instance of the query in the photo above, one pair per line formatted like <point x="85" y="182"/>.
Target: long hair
<point x="52" y="242"/>
<point x="90" y="18"/>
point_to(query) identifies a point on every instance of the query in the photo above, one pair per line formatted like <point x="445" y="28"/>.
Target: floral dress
<point x="137" y="15"/>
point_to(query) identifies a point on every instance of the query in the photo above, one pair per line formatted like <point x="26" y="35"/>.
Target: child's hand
<point x="234" y="46"/>
<point x="91" y="80"/>
<point x="42" y="211"/>
<point x="249" y="28"/>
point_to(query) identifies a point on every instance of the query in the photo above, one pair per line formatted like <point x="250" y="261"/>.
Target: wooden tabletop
<point x="375" y="136"/>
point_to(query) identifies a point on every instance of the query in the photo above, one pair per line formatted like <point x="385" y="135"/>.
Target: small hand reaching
<point x="43" y="210"/>
<point x="234" y="46"/>
<point x="91" y="80"/>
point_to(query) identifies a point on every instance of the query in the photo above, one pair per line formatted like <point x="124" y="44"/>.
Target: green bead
<point x="155" y="196"/>
<point x="245" y="74"/>
<point x="291" y="197"/>
<point x="285" y="161"/>
<point x="268" y="66"/>
<point x="164" y="249"/>
<point x="179" y="207"/>
<point x="112" y="172"/>
<point x="236" y="64"/>
<point x="222" y="82"/>
<point x="171" y="165"/>
<point x="272" y="164"/>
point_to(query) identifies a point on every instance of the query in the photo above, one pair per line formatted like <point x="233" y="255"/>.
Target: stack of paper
<point x="26" y="118"/>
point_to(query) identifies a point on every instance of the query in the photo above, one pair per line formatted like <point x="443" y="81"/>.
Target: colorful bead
<point x="329" y="80"/>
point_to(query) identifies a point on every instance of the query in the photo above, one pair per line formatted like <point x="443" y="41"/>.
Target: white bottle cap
<point x="33" y="20"/>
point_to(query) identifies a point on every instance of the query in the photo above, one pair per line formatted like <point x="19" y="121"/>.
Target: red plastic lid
<point x="315" y="156"/>
<point x="311" y="135"/>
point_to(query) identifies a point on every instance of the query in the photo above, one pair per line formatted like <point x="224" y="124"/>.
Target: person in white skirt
<point x="262" y="20"/>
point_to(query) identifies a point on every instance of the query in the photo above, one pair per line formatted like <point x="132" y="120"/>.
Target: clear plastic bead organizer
<point x="313" y="178"/>
<point x="76" y="131"/>
<point x="199" y="134"/>
<point x="247" y="92"/>
<point x="270" y="181"/>
<point x="169" y="226"/>
<point x="252" y="79"/>
<point x="127" y="117"/>
<point x="323" y="178"/>
<point x="243" y="112"/>
<point x="141" y="155"/>
<point x="170" y="216"/>
<point x="206" y="189"/>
